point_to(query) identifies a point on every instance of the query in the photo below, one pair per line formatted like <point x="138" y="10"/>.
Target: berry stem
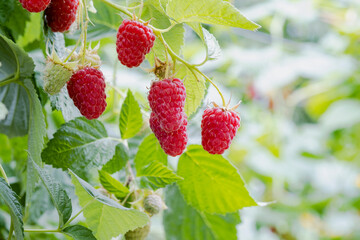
<point x="191" y="67"/>
<point x="84" y="30"/>
<point x="72" y="51"/>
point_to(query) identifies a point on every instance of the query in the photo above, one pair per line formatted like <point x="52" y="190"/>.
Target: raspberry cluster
<point x="218" y="128"/>
<point x="35" y="5"/>
<point x="87" y="89"/>
<point x="168" y="120"/>
<point x="61" y="14"/>
<point x="134" y="41"/>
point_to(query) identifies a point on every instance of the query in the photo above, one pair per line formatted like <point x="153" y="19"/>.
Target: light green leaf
<point x="119" y="159"/>
<point x="211" y="184"/>
<point x="148" y="152"/>
<point x="79" y="232"/>
<point x="158" y="174"/>
<point x="79" y="145"/>
<point x="17" y="20"/>
<point x="37" y="132"/>
<point x="130" y="117"/>
<point x="208" y="11"/>
<point x="113" y="185"/>
<point x="32" y="30"/>
<point x="195" y="88"/>
<point x="11" y="201"/>
<point x="105" y="217"/>
<point x="182" y="222"/>
<point x="58" y="195"/>
<point x="212" y="45"/>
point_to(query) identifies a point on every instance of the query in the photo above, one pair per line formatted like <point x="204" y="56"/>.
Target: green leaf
<point x="211" y="184"/>
<point x="208" y="11"/>
<point x="113" y="185"/>
<point x="10" y="199"/>
<point x="58" y="195"/>
<point x="195" y="88"/>
<point x="105" y="217"/>
<point x="16" y="101"/>
<point x="32" y="30"/>
<point x="79" y="232"/>
<point x="79" y="145"/>
<point x="183" y="222"/>
<point x="9" y="62"/>
<point x="212" y="45"/>
<point x="17" y="20"/>
<point x="130" y="117"/>
<point x="148" y="152"/>
<point x="158" y="174"/>
<point x="37" y="132"/>
<point x="118" y="161"/>
<point x="6" y="9"/>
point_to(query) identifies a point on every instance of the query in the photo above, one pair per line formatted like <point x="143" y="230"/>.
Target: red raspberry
<point x="61" y="14"/>
<point x="167" y="100"/>
<point x="87" y="89"/>
<point x="173" y="143"/>
<point x="218" y="128"/>
<point x="134" y="41"/>
<point x="35" y="5"/>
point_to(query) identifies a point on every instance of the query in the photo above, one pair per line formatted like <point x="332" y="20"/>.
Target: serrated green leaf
<point x="130" y="117"/>
<point x="105" y="217"/>
<point x="58" y="195"/>
<point x="195" y="88"/>
<point x="158" y="174"/>
<point x="222" y="194"/>
<point x="148" y="152"/>
<point x="37" y="133"/>
<point x="79" y="232"/>
<point x="118" y="161"/>
<point x="112" y="185"/>
<point x="183" y="222"/>
<point x="9" y="63"/>
<point x="210" y="12"/>
<point x="79" y="145"/>
<point x="11" y="200"/>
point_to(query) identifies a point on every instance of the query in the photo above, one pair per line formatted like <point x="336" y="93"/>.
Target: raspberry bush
<point x="111" y="143"/>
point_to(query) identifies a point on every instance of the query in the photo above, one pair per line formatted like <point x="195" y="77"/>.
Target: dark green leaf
<point x="79" y="232"/>
<point x="79" y="145"/>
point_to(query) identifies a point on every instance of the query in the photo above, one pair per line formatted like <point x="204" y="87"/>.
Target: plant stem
<point x="191" y="67"/>
<point x="11" y="230"/>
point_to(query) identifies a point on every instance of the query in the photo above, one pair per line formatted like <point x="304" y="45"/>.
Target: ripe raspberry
<point x="218" y="128"/>
<point x="153" y="204"/>
<point x="167" y="100"/>
<point x="61" y="14"/>
<point x="138" y="234"/>
<point x="173" y="143"/>
<point x="134" y="41"/>
<point x="35" y="5"/>
<point x="87" y="89"/>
